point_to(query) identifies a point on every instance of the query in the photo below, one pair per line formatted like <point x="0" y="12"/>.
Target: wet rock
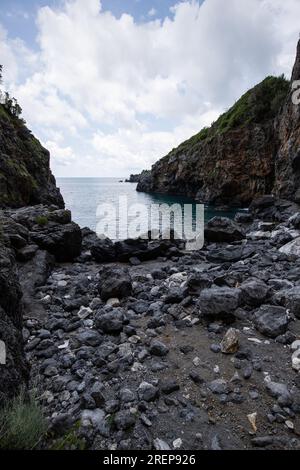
<point x="230" y="342"/>
<point x="271" y="321"/>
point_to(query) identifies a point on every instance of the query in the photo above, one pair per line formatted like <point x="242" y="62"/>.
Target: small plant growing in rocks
<point x="22" y="424"/>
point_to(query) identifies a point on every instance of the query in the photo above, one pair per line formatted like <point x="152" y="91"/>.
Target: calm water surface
<point x="83" y="195"/>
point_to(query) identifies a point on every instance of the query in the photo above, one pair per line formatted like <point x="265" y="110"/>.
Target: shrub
<point x="41" y="220"/>
<point x="22" y="424"/>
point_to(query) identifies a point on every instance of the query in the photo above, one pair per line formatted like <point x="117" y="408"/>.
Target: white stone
<point x="296" y="360"/>
<point x="2" y="353"/>
<point x="159" y="444"/>
<point x="46" y="300"/>
<point x="296" y="345"/>
<point x="289" y="425"/>
<point x="259" y="235"/>
<point x="114" y="302"/>
<point x="65" y="345"/>
<point x="92" y="417"/>
<point x="177" y="444"/>
<point x="84" y="312"/>
<point x="197" y="361"/>
<point x="252" y="420"/>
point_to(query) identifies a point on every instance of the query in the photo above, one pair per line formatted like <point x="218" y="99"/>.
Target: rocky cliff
<point x="25" y="175"/>
<point x="287" y="161"/>
<point x="251" y="150"/>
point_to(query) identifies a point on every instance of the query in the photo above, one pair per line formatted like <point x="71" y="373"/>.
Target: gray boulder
<point x="223" y="230"/>
<point x="219" y="302"/>
<point x="115" y="282"/>
<point x="271" y="321"/>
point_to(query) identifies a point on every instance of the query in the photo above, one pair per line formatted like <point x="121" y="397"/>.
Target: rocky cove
<point x="141" y="344"/>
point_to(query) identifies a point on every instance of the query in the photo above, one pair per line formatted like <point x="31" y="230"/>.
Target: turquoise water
<point x="83" y="195"/>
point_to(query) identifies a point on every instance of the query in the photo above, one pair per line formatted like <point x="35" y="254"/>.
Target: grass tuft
<point x="22" y="424"/>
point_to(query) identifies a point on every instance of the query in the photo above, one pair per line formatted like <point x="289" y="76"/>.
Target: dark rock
<point x="197" y="282"/>
<point x="103" y="251"/>
<point x="62" y="241"/>
<point x="169" y="386"/>
<point x="254" y="292"/>
<point x="110" y="322"/>
<point x="157" y="348"/>
<point x="218" y="387"/>
<point x="147" y="392"/>
<point x="223" y="230"/>
<point x="219" y="303"/>
<point x="115" y="282"/>
<point x="14" y="372"/>
<point x="90" y="338"/>
<point x="124" y="420"/>
<point x="271" y="321"/>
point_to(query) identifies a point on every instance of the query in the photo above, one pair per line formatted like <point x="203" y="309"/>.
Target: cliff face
<point x="287" y="183"/>
<point x="13" y="368"/>
<point x="25" y="175"/>
<point x="251" y="150"/>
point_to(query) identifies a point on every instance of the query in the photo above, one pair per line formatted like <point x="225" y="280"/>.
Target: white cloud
<point x="152" y="12"/>
<point x="107" y="80"/>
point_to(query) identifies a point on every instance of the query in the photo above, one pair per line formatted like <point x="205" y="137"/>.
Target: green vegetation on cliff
<point x="25" y="175"/>
<point x="258" y="105"/>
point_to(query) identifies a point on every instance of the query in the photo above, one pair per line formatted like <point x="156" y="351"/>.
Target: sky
<point x="111" y="86"/>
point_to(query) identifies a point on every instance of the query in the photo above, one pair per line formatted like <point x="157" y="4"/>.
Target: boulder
<point x="254" y="292"/>
<point x="115" y="282"/>
<point x="62" y="241"/>
<point x="223" y="230"/>
<point x="197" y="282"/>
<point x="271" y="321"/>
<point x="131" y="248"/>
<point x="219" y="302"/>
<point x="110" y="322"/>
<point x="103" y="251"/>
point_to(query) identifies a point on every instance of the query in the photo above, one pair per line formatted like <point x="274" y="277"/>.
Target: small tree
<point x="10" y="104"/>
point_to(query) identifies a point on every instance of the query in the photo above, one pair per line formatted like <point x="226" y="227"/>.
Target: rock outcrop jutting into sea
<point x="251" y="150"/>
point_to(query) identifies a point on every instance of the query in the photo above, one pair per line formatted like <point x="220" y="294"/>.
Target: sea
<point x="92" y="199"/>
